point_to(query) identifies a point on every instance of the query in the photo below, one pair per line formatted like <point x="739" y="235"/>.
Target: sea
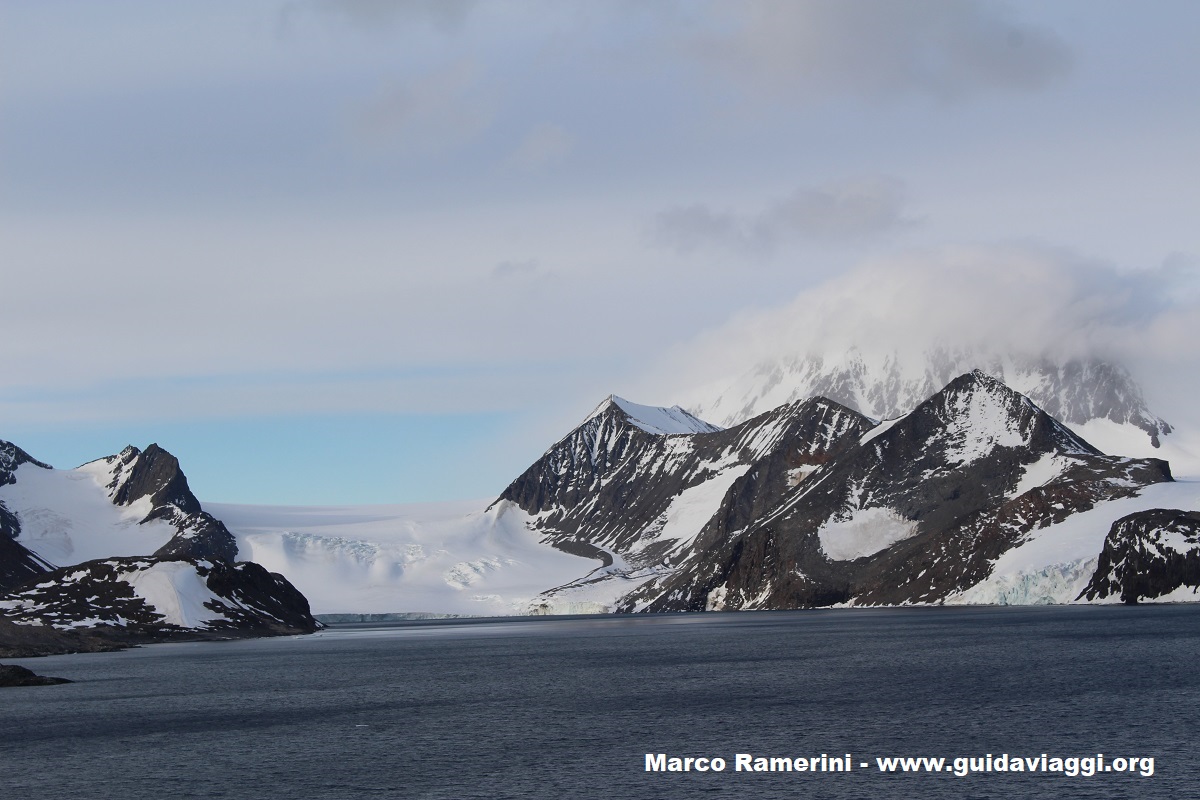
<point x="798" y="704"/>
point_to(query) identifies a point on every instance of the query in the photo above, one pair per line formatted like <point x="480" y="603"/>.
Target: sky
<point x="361" y="251"/>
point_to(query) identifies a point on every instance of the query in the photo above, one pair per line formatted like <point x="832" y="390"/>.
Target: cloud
<point x="427" y="115"/>
<point x="447" y="16"/>
<point x="844" y="212"/>
<point x="947" y="49"/>
<point x="1017" y="300"/>
<point x="544" y="146"/>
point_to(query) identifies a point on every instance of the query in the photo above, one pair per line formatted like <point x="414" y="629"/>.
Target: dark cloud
<point x="945" y="48"/>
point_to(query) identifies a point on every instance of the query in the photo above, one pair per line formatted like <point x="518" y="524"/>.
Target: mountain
<point x="916" y="510"/>
<point x="120" y="549"/>
<point x="1074" y="391"/>
<point x="975" y="495"/>
<point x="638" y="497"/>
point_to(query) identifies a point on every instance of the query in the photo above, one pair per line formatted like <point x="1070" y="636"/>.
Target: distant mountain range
<point x="1074" y="391"/>
<point x="972" y="492"/>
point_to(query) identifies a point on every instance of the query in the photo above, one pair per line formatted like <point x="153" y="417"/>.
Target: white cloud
<point x="847" y="211"/>
<point x="1020" y="300"/>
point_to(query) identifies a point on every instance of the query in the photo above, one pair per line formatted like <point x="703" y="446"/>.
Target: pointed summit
<point x="652" y="419"/>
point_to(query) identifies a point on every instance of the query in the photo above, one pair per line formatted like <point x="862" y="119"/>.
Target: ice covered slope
<point x="885" y="384"/>
<point x="67" y="516"/>
<point x="442" y="558"/>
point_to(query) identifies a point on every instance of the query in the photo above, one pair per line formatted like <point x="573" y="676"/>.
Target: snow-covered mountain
<point x="639" y="498"/>
<point x="917" y="510"/>
<point x="121" y="549"/>
<point x="884" y="386"/>
<point x="974" y="495"/>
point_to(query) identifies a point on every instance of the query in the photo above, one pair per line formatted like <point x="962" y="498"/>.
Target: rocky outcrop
<point x="13" y="675"/>
<point x="18" y="565"/>
<point x="1148" y="555"/>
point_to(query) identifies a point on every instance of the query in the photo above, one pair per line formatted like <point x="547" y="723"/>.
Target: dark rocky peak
<point x="155" y="473"/>
<point x="17" y="563"/>
<point x="152" y="473"/>
<point x="656" y="420"/>
<point x="813" y="429"/>
<point x="12" y="457"/>
<point x="974" y="415"/>
<point x="617" y="433"/>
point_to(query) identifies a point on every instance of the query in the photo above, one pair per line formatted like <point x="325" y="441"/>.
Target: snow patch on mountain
<point x="175" y="590"/>
<point x="656" y="419"/>
<point x="863" y="533"/>
<point x="1041" y="472"/>
<point x="692" y="508"/>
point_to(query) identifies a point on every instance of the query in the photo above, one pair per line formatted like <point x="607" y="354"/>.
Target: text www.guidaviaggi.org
<point x="961" y="766"/>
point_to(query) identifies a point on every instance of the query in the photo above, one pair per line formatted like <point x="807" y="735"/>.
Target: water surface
<point x="568" y="708"/>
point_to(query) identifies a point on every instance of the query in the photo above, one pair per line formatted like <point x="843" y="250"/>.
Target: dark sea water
<point x="568" y="708"/>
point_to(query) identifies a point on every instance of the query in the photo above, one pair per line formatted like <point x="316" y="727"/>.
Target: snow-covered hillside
<point x="67" y="515"/>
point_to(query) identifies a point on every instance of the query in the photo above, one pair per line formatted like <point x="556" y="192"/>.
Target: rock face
<point x="136" y="475"/>
<point x="1150" y="554"/>
<point x="1073" y="391"/>
<point x="191" y="587"/>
